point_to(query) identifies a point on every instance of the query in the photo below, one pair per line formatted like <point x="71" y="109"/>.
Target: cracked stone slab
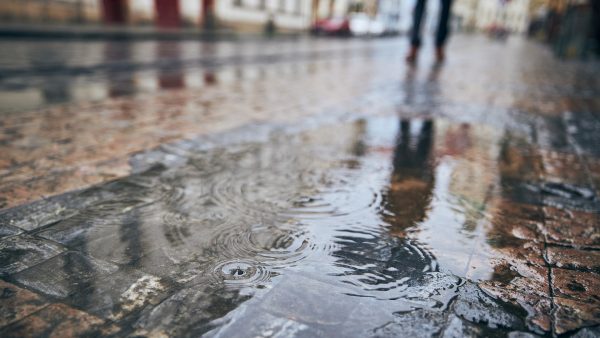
<point x="59" y="320"/>
<point x="18" y="253"/>
<point x="116" y="296"/>
<point x="65" y="274"/>
<point x="17" y="303"/>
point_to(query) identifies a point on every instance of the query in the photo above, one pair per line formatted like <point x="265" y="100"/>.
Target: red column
<point x="167" y="13"/>
<point x="114" y="11"/>
<point x="208" y="13"/>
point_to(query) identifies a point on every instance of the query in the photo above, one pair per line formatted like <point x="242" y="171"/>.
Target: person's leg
<point x="443" y="28"/>
<point x="415" y="35"/>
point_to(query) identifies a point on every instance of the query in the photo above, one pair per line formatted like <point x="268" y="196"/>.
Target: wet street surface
<point x="311" y="188"/>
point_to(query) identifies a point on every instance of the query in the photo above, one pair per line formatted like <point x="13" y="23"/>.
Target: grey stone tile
<point x="262" y="324"/>
<point x="64" y="274"/>
<point x="118" y="295"/>
<point x="302" y="300"/>
<point x="188" y="312"/>
<point x="9" y="230"/>
<point x="418" y="323"/>
<point x="475" y="306"/>
<point x="18" y="253"/>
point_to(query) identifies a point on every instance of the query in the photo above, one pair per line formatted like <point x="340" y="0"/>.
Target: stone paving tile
<point x="576" y="285"/>
<point x="564" y="167"/>
<point x="516" y="220"/>
<point x="76" y="204"/>
<point x="570" y="258"/>
<point x="18" y="253"/>
<point x="110" y="237"/>
<point x="570" y="315"/>
<point x="262" y="324"/>
<point x="17" y="303"/>
<point x="300" y="299"/>
<point x="64" y="275"/>
<point x="582" y="127"/>
<point x="473" y="305"/>
<point x="188" y="312"/>
<point x="59" y="320"/>
<point x="587" y="332"/>
<point x="538" y="304"/>
<point x="572" y="227"/>
<point x="8" y="230"/>
<point x="116" y="296"/>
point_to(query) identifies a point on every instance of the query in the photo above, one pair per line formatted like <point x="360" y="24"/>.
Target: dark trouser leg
<point x="415" y="36"/>
<point x="443" y="27"/>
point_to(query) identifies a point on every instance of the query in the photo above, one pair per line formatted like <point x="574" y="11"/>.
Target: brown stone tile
<point x="576" y="228"/>
<point x="521" y="162"/>
<point x="68" y="147"/>
<point x="576" y="285"/>
<point x="17" y="303"/>
<point x="60" y="321"/>
<point x="564" y="167"/>
<point x="518" y="220"/>
<point x="521" y="252"/>
<point x="65" y="274"/>
<point x="571" y="258"/>
<point x="571" y="315"/>
<point x="538" y="306"/>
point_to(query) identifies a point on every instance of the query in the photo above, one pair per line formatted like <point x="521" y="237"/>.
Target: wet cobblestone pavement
<point x="336" y="193"/>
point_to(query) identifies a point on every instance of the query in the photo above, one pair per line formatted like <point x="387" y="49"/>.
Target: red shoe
<point x="439" y="54"/>
<point x="412" y="55"/>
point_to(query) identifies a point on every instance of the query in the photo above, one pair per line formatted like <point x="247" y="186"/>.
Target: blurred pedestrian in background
<point x="440" y="36"/>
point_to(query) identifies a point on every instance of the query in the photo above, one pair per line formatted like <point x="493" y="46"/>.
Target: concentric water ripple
<point x="241" y="273"/>
<point x="272" y="246"/>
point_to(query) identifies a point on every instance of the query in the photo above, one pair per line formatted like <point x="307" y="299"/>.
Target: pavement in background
<point x="300" y="188"/>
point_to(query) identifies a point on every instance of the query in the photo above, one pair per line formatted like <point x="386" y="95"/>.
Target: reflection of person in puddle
<point x="411" y="186"/>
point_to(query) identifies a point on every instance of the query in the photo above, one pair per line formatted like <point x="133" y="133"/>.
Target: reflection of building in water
<point x="119" y="83"/>
<point x="171" y="76"/>
<point x="287" y="15"/>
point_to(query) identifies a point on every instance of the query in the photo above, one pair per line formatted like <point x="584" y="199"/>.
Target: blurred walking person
<point x="442" y="30"/>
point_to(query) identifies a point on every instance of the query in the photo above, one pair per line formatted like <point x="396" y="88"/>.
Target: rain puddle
<point x="372" y="227"/>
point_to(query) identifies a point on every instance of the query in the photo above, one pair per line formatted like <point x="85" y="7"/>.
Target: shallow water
<point x="344" y="228"/>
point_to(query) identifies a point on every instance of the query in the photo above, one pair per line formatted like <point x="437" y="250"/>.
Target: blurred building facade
<point x="511" y="15"/>
<point x="237" y="14"/>
<point x="571" y="27"/>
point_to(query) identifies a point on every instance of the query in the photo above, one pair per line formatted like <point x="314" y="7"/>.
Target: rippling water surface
<point x="346" y="225"/>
